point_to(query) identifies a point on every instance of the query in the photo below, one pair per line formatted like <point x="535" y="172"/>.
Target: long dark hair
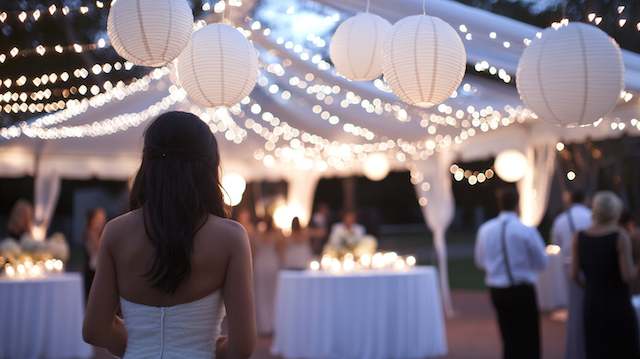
<point x="177" y="187"/>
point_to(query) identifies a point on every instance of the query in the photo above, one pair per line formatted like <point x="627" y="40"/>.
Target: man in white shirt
<point x="348" y="233"/>
<point x="576" y="218"/>
<point x="512" y="254"/>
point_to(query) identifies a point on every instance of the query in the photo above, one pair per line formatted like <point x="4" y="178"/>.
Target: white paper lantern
<point x="511" y="165"/>
<point x="234" y="186"/>
<point x="376" y="167"/>
<point x="356" y="46"/>
<point x="572" y="75"/>
<point x="424" y="60"/>
<point x="219" y="67"/>
<point x="150" y="32"/>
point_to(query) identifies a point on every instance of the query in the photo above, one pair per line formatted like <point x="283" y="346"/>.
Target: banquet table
<point x="369" y="314"/>
<point x="552" y="284"/>
<point x="42" y="317"/>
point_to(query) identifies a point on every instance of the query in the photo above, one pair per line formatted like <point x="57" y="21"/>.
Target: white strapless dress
<point x="186" y="330"/>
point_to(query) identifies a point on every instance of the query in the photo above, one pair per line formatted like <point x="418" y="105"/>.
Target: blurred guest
<point x="20" y="219"/>
<point x="244" y="218"/>
<point x="630" y="224"/>
<point x="602" y="253"/>
<point x="348" y="233"/>
<point x="575" y="218"/>
<point x="297" y="246"/>
<point x="96" y="220"/>
<point x="266" y="265"/>
<point x="320" y="220"/>
<point x="512" y="254"/>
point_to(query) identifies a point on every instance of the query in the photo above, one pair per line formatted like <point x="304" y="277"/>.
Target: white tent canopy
<point x="117" y="155"/>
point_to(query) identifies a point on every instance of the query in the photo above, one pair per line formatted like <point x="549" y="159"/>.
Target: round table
<point x="42" y="317"/>
<point x="552" y="284"/>
<point x="369" y="315"/>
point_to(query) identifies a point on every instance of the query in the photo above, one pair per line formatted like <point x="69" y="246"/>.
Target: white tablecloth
<point x="42" y="318"/>
<point x="386" y="315"/>
<point x="552" y="285"/>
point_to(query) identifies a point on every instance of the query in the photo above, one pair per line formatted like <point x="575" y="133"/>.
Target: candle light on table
<point x="411" y="261"/>
<point x="314" y="266"/>
<point x="553" y="249"/>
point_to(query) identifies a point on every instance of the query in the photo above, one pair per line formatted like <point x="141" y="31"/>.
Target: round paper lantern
<point x="424" y="60"/>
<point x="572" y="75"/>
<point x="376" y="167"/>
<point x="219" y="67"/>
<point x="356" y="47"/>
<point x="234" y="186"/>
<point x="511" y="165"/>
<point x="150" y="32"/>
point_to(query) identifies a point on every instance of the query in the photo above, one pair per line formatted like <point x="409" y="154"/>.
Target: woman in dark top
<point x="603" y="255"/>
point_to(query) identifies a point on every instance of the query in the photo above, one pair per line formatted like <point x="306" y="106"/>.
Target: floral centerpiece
<point x="29" y="257"/>
<point x="355" y="245"/>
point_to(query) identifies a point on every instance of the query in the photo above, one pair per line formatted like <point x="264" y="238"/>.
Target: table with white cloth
<point x="369" y="314"/>
<point x="552" y="284"/>
<point x="42" y="317"/>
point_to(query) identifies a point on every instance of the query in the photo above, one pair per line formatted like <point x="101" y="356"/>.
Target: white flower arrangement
<point x="55" y="247"/>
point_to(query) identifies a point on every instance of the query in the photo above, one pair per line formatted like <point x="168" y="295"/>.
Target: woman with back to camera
<point x="602" y="253"/>
<point x="174" y="262"/>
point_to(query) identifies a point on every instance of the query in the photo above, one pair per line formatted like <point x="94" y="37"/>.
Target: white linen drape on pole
<point x="534" y="187"/>
<point x="438" y="212"/>
<point x="300" y="191"/>
<point x="46" y="192"/>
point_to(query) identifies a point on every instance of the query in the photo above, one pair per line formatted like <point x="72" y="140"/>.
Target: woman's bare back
<point x="133" y="253"/>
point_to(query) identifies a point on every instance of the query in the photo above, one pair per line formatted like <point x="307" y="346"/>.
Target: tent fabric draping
<point x="47" y="189"/>
<point x="535" y="186"/>
<point x="301" y="188"/>
<point x="438" y="212"/>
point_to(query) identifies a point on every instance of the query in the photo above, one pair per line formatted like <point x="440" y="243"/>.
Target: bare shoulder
<point x="122" y="227"/>
<point x="229" y="232"/>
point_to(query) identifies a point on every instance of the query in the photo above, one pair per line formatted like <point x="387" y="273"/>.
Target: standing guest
<point x="297" y="246"/>
<point x="348" y="233"/>
<point x="602" y="253"/>
<point x="320" y="221"/>
<point x="244" y="218"/>
<point x="20" y="219"/>
<point x="629" y="223"/>
<point x="576" y="218"/>
<point x="266" y="264"/>
<point x="174" y="262"/>
<point x="512" y="254"/>
<point x="96" y="220"/>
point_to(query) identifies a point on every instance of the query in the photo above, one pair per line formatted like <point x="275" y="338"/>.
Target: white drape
<point x="46" y="192"/>
<point x="300" y="190"/>
<point x="534" y="187"/>
<point x="438" y="212"/>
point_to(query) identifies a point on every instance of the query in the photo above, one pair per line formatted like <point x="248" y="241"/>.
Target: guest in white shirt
<point x="512" y="254"/>
<point x="348" y="233"/>
<point x="576" y="218"/>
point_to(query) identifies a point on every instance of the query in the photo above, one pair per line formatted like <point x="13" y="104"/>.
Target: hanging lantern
<point x="572" y="75"/>
<point x="219" y="67"/>
<point x="356" y="46"/>
<point x="511" y="165"/>
<point x="149" y="32"/>
<point x="424" y="60"/>
<point x="233" y="188"/>
<point x="376" y="167"/>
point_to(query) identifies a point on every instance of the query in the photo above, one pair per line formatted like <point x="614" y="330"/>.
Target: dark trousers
<point x="519" y="321"/>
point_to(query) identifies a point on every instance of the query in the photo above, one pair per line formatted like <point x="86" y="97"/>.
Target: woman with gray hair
<point x="604" y="267"/>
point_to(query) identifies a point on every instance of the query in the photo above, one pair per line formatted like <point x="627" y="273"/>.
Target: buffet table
<point x="42" y="317"/>
<point x="552" y="283"/>
<point x="368" y="314"/>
